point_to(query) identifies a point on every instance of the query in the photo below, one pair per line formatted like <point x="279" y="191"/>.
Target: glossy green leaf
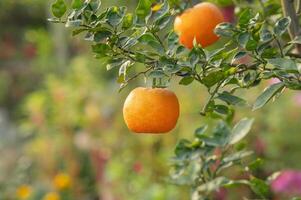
<point x="213" y="78"/>
<point x="267" y="95"/>
<point x="282" y="25"/>
<point x="231" y="99"/>
<point x="162" y="11"/>
<point x="102" y="35"/>
<point x="243" y="39"/>
<point x="101" y="49"/>
<point x="265" y="35"/>
<point x="186" y="80"/>
<point x="127" y="21"/>
<point x="59" y="8"/>
<point x="199" y="132"/>
<point x="224" y="29"/>
<point x="245" y="17"/>
<point x="238" y="56"/>
<point x="115" y="15"/>
<point x="143" y="11"/>
<point x="76" y="4"/>
<point x="73" y="23"/>
<point x="260" y="187"/>
<point x="236" y="156"/>
<point x="286" y="64"/>
<point x="240" y="130"/>
<point x="115" y="62"/>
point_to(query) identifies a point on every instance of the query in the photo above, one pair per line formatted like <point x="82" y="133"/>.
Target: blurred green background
<point x="61" y="127"/>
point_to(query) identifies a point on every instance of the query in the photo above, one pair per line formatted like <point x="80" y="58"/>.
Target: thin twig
<point x="203" y="112"/>
<point x="279" y="45"/>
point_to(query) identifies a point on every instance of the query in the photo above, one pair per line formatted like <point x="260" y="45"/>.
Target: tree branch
<point x="294" y="28"/>
<point x="298" y="11"/>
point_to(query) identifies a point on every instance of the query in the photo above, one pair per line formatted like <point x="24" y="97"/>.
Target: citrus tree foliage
<point x="120" y="39"/>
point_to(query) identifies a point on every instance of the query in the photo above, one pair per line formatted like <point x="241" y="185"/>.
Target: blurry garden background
<point x="61" y="127"/>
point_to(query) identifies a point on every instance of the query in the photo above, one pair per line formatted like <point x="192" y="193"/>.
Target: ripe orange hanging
<point x="198" y="22"/>
<point x="151" y="110"/>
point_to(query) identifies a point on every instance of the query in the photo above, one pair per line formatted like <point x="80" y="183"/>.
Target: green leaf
<point x="163" y="22"/>
<point x="157" y="74"/>
<point x="221" y="109"/>
<point x="143" y="11"/>
<point x="267" y="95"/>
<point x="236" y="156"/>
<point x="101" y="49"/>
<point x="243" y="39"/>
<point x="162" y="11"/>
<point x="260" y="187"/>
<point x="256" y="164"/>
<point x="213" y="78"/>
<point x="73" y="23"/>
<point x="59" y="8"/>
<point x="102" y="35"/>
<point x="76" y="4"/>
<point x="245" y="17"/>
<point x="231" y="99"/>
<point x="282" y="25"/>
<point x="251" y="44"/>
<point x="186" y="80"/>
<point x="238" y="55"/>
<point x="199" y="132"/>
<point x="224" y="29"/>
<point x="94" y="5"/>
<point x="123" y="71"/>
<point x="182" y="148"/>
<point x="127" y="21"/>
<point x="115" y="62"/>
<point x="240" y="130"/>
<point x="286" y="64"/>
<point x="149" y="39"/>
<point x="115" y="15"/>
<point x="78" y="31"/>
<point x="265" y="35"/>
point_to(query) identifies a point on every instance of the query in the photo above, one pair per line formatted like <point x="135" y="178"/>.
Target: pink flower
<point x="228" y="13"/>
<point x="274" y="81"/>
<point x="288" y="182"/>
<point x="137" y="167"/>
<point x="220" y="194"/>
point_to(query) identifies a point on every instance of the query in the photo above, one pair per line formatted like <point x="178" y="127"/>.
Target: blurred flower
<point x="100" y="158"/>
<point x="137" y="167"/>
<point x="287" y="182"/>
<point x="24" y="192"/>
<point x="83" y="141"/>
<point x="62" y="181"/>
<point x="29" y="50"/>
<point x="274" y="81"/>
<point x="51" y="196"/>
<point x="297" y="99"/>
<point x="260" y="146"/>
<point x="220" y="194"/>
<point x="228" y="13"/>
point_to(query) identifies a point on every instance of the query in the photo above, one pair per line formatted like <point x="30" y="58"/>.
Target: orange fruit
<point x="198" y="22"/>
<point x="151" y="110"/>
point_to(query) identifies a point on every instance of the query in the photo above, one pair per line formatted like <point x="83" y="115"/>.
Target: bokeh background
<point x="61" y="127"/>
